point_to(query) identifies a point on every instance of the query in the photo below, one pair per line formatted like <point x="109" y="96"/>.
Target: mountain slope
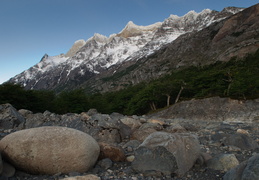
<point x="237" y="36"/>
<point x="136" y="54"/>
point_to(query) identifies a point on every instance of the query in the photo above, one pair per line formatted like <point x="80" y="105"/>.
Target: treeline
<point x="41" y="100"/>
<point x="237" y="79"/>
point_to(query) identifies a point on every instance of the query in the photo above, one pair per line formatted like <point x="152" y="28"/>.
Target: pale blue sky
<point x="31" y="28"/>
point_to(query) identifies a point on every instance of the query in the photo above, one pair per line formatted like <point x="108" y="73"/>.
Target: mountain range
<point x="143" y="53"/>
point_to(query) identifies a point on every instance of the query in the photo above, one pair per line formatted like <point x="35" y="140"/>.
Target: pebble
<point x="242" y="131"/>
<point x="130" y="158"/>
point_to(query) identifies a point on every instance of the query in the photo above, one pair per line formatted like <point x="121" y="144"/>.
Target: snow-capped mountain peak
<point x="173" y="16"/>
<point x="76" y="46"/>
<point x="48" y="62"/>
<point x="206" y="11"/>
<point x="232" y="10"/>
<point x="132" y="29"/>
<point x="100" y="38"/>
<point x="189" y="16"/>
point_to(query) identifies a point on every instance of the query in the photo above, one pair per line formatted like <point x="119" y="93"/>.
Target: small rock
<point x="234" y="148"/>
<point x="156" y="121"/>
<point x="175" y="128"/>
<point x="129" y="149"/>
<point x="105" y="163"/>
<point x="218" y="137"/>
<point x="242" y="131"/>
<point x="72" y="121"/>
<point x="148" y="125"/>
<point x="34" y="120"/>
<point x="113" y="152"/>
<point x="223" y="162"/>
<point x="142" y="134"/>
<point x="25" y="112"/>
<point x="205" y="158"/>
<point x="124" y="130"/>
<point x="131" y="122"/>
<point x="143" y="120"/>
<point x="131" y="144"/>
<point x="104" y="121"/>
<point x="72" y="174"/>
<point x="107" y="135"/>
<point x="84" y="116"/>
<point x="130" y="158"/>
<point x="91" y="112"/>
<point x="189" y="127"/>
<point x="86" y="177"/>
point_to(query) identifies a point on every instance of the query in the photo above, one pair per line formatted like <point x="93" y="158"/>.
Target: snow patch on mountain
<point x="46" y="64"/>
<point x="49" y="62"/>
<point x="232" y="10"/>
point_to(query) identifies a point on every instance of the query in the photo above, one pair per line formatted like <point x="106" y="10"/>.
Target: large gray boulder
<point x="6" y="170"/>
<point x="154" y="162"/>
<point x="9" y="117"/>
<point x="185" y="148"/>
<point x="1" y="164"/>
<point x="247" y="170"/>
<point x="241" y="140"/>
<point x="50" y="150"/>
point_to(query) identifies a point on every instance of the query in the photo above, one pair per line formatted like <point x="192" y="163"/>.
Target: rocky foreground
<point x="214" y="138"/>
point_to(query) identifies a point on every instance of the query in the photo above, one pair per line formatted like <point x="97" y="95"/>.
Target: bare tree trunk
<point x="152" y="106"/>
<point x="229" y="86"/>
<point x="168" y="100"/>
<point x="229" y="80"/>
<point x="179" y="94"/>
<point x="244" y="96"/>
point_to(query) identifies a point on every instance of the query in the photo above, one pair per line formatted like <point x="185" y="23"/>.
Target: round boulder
<point x="50" y="150"/>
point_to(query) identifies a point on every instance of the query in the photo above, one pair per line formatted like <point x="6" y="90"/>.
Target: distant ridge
<point x="128" y="55"/>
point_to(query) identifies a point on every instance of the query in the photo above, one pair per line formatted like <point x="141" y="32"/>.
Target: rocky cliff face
<point x="141" y="53"/>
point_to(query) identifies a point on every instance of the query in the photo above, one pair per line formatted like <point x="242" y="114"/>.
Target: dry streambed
<point x="34" y="146"/>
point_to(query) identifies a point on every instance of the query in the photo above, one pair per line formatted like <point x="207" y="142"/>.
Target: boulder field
<point x="219" y="142"/>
